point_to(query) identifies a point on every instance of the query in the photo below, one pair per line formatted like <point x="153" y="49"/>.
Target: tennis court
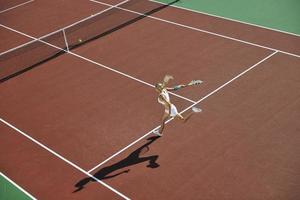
<point x="78" y="103"/>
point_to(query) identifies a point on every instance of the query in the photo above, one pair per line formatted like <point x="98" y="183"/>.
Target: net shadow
<point x="34" y="54"/>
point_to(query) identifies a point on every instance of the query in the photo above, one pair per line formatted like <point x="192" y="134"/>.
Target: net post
<point x="66" y="41"/>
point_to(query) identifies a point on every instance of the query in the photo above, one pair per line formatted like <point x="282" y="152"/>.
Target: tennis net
<point x="37" y="51"/>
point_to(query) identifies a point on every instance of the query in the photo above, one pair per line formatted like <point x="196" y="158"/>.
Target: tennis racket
<point x="195" y="82"/>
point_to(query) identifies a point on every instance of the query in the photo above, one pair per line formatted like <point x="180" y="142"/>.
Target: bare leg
<point x="164" y="119"/>
<point x="179" y="116"/>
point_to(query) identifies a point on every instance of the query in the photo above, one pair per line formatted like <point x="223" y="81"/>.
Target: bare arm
<point x="177" y="87"/>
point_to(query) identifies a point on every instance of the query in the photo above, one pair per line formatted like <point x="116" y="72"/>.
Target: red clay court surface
<point x="90" y="112"/>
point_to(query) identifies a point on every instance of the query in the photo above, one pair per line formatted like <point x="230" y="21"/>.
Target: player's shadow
<point x="132" y="159"/>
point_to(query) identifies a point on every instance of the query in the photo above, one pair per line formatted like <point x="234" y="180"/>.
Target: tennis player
<point x="170" y="109"/>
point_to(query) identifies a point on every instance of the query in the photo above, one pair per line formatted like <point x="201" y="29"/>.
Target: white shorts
<point x="173" y="112"/>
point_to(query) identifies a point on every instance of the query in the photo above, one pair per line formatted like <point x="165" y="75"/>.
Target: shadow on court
<point x="132" y="159"/>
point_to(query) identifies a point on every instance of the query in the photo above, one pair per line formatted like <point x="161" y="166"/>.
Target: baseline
<point x="200" y="30"/>
<point x="226" y="18"/>
<point x="22" y="4"/>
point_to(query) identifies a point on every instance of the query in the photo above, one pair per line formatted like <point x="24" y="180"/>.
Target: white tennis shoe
<point x="196" y="110"/>
<point x="156" y="132"/>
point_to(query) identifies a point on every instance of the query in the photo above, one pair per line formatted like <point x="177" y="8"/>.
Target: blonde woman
<point x="170" y="109"/>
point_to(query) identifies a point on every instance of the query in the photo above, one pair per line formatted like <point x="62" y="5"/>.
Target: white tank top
<point x="164" y="93"/>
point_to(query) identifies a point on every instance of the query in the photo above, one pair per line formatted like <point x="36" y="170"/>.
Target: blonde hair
<point x="159" y="86"/>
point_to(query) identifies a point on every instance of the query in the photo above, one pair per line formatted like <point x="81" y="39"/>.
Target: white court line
<point x="156" y="18"/>
<point x="94" y="62"/>
<point x="87" y="173"/>
<point x="16" y="6"/>
<point x="201" y="30"/>
<point x="77" y="167"/>
<point x="62" y="29"/>
<point x="128" y="76"/>
<point x="229" y="19"/>
<point x="203" y="98"/>
<point x="50" y="150"/>
<point x="17" y="47"/>
<point x="17" y="186"/>
<point x="62" y="158"/>
<point x="144" y="83"/>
